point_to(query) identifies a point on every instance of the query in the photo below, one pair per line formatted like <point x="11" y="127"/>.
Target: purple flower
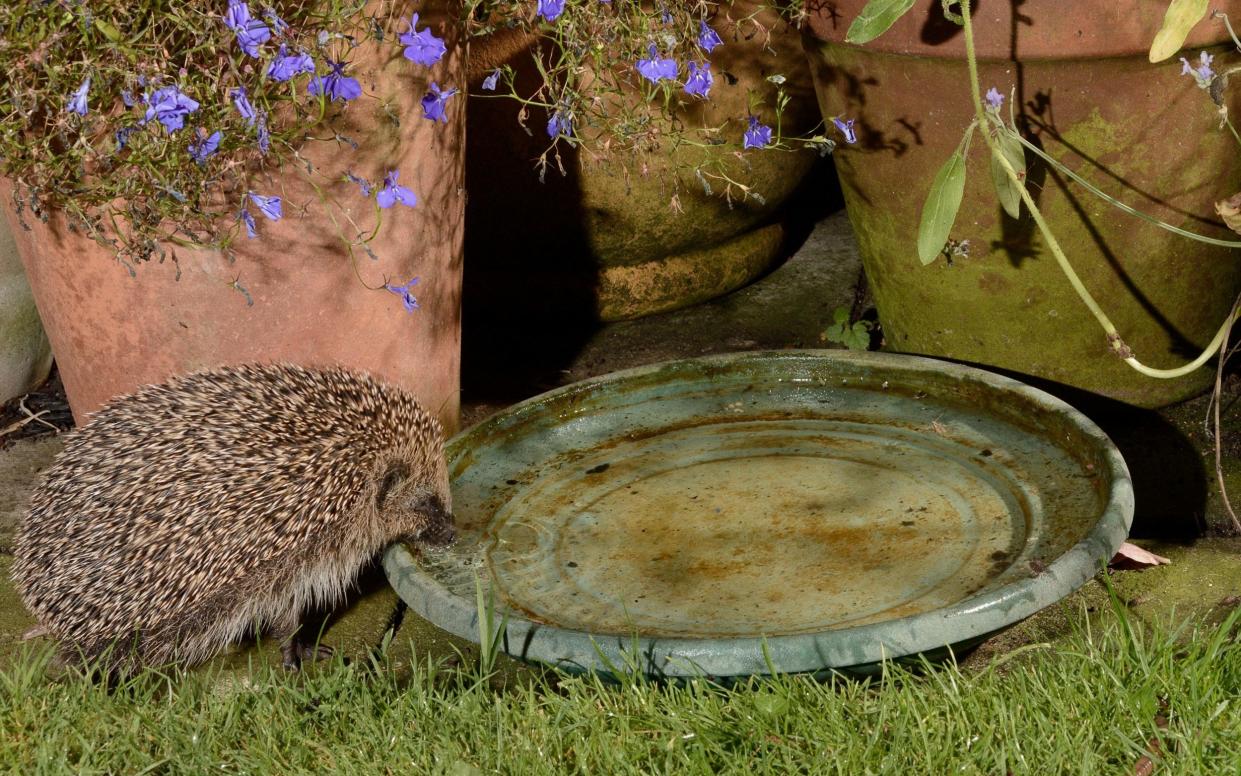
<point x="707" y="37"/>
<point x="664" y="15"/>
<point x="363" y="183"/>
<point x="336" y="85"/>
<point x="77" y="103"/>
<point x="127" y="97"/>
<point x="393" y="193"/>
<point x="286" y="66"/>
<point x="1203" y="73"/>
<point x="122" y="137"/>
<point x="406" y="293"/>
<point x="758" y="135"/>
<point x="268" y="206"/>
<point x="169" y="106"/>
<point x="264" y="137"/>
<point x="699" y="81"/>
<point x="248" y="220"/>
<point x="242" y="103"/>
<point x="251" y="33"/>
<point x="433" y="103"/>
<point x="994" y="98"/>
<point x="275" y="21"/>
<point x="204" y="146"/>
<point x="421" y="47"/>
<point x="560" y="124"/>
<point x="550" y="10"/>
<point x="846" y="129"/>
<point x="489" y="83"/>
<point x="656" y="70"/>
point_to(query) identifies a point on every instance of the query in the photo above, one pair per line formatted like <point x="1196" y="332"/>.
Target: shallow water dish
<point x="824" y="509"/>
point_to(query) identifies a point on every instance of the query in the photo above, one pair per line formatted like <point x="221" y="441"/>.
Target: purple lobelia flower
<point x="433" y="103"/>
<point x="656" y="69"/>
<point x="846" y="129"/>
<point x="205" y="145"/>
<point x="421" y="46"/>
<point x="699" y="80"/>
<point x="489" y="83"/>
<point x="268" y="206"/>
<point x="169" y="106"/>
<point x="707" y="37"/>
<point x="550" y="10"/>
<point x="127" y="97"/>
<point x="275" y="21"/>
<point x="560" y="123"/>
<point x="392" y="192"/>
<point x="242" y="103"/>
<point x="994" y="98"/>
<point x="264" y="137"/>
<point x="77" y="103"/>
<point x="248" y="220"/>
<point x="336" y="85"/>
<point x="1203" y="73"/>
<point x="251" y="33"/>
<point x="406" y="293"/>
<point x="758" y="135"/>
<point x="286" y="66"/>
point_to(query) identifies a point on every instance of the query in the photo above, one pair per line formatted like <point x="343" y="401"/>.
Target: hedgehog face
<point x="417" y="509"/>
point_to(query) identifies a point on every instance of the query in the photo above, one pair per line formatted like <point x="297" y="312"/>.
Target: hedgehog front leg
<point x="299" y="636"/>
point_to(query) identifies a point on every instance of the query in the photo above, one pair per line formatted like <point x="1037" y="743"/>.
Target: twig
<point x="30" y="417"/>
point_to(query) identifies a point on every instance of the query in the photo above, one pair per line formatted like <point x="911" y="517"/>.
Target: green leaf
<point x="875" y="19"/>
<point x="109" y="32"/>
<point x="840" y="314"/>
<point x="858" y="336"/>
<point x="1008" y="191"/>
<point x="940" y="210"/>
<point x="1181" y="17"/>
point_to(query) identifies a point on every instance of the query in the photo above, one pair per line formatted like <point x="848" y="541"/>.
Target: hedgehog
<point x="184" y="516"/>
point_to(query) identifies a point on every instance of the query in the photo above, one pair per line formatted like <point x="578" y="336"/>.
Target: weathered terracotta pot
<point x="25" y="355"/>
<point x="612" y="233"/>
<point x="1087" y="94"/>
<point x="311" y="303"/>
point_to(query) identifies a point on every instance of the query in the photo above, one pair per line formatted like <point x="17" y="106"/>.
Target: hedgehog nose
<point x="441" y="533"/>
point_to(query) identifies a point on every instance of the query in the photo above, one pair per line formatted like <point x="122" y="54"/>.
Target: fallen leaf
<point x="1131" y="556"/>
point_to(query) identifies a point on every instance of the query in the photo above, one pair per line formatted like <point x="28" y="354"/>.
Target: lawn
<point x="1113" y="692"/>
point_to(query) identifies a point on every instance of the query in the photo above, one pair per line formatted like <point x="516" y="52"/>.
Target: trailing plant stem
<point x="1115" y="342"/>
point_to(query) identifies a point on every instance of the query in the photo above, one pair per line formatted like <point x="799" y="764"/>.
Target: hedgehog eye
<point x="391" y="479"/>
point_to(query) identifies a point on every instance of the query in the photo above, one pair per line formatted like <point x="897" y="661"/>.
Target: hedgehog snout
<point x="439" y="529"/>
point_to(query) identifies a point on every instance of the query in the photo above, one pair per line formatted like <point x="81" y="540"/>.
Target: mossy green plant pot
<point x="1085" y="93"/>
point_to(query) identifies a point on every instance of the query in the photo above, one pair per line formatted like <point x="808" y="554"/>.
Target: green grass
<point x="1088" y="705"/>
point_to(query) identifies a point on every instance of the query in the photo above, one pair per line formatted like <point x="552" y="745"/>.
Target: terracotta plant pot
<point x="25" y="355"/>
<point x="612" y="233"/>
<point x="112" y="332"/>
<point x="1086" y="93"/>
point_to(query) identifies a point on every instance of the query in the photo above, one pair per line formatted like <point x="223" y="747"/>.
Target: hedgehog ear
<point x="395" y="474"/>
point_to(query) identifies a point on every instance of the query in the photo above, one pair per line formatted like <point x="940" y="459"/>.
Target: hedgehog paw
<point x="296" y="653"/>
